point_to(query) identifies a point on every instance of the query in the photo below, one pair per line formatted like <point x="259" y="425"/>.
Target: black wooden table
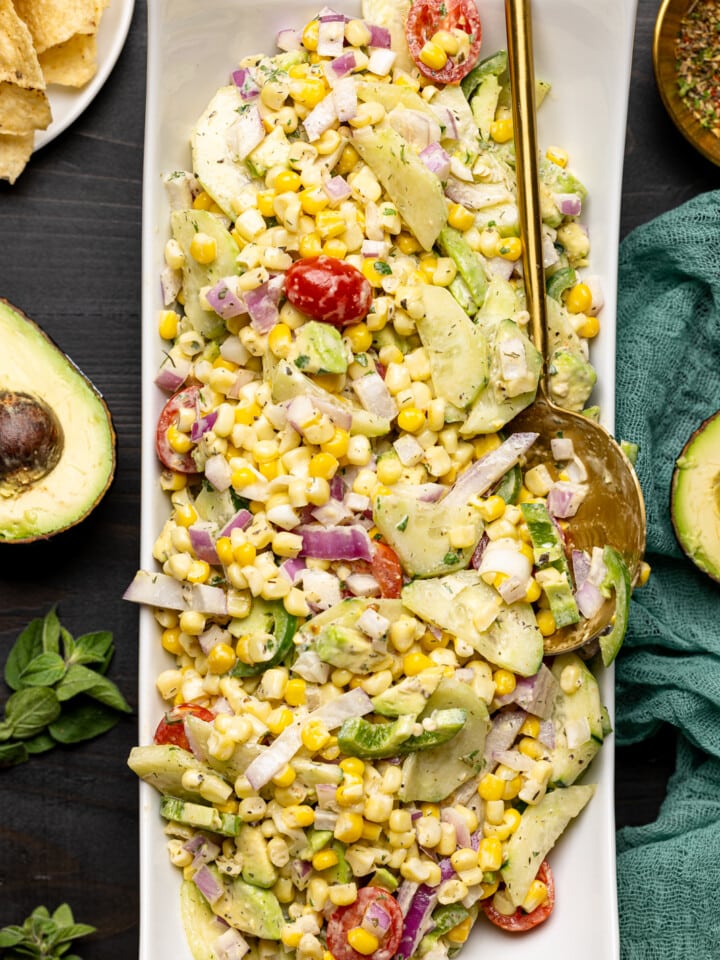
<point x="70" y="258"/>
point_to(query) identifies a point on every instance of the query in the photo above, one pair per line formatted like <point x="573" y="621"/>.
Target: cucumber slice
<point x="202" y="927"/>
<point x="163" y="767"/>
<point x="571" y="710"/>
<point x="540" y="826"/>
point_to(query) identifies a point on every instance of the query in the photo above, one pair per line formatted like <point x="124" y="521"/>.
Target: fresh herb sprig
<point x="43" y="935"/>
<point x="61" y="693"/>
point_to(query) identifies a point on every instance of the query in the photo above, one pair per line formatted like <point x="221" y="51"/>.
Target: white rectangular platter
<point x="584" y="49"/>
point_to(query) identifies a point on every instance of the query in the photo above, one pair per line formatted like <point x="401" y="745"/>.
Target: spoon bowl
<point x="613" y="512"/>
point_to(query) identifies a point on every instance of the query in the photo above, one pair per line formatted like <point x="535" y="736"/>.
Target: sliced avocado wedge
<point x="57" y="442"/>
<point x="695" y="498"/>
<point x="248" y="908"/>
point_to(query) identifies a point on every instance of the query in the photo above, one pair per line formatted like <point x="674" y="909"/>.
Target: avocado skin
<point x="695" y="498"/>
<point x="32" y="363"/>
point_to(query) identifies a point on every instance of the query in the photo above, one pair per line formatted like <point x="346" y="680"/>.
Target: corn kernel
<point x="546" y="623"/>
<point x="578" y="299"/>
<point x="490" y="854"/>
<point x="295" y="691"/>
<point x="460" y="217"/>
<point x="348" y="827"/>
<point x="557" y="155"/>
<point x="286" y="777"/>
<point x="505" y="682"/>
<point x="589" y="328"/>
<point x="185" y="514"/>
<point x="352" y="766"/>
<point x="501" y="130"/>
<point x="416" y="662"/>
<point x="310" y="35"/>
<point x="411" y="419"/>
<point x="221" y="658"/>
<point x="433" y="55"/>
<point x="337" y="445"/>
<point x="509" y="248"/>
<point x="359" y="336"/>
<point x="491" y="509"/>
<point x="245" y="554"/>
<point x="203" y="248"/>
<point x="287" y="181"/>
<point x="375" y="271"/>
<point x="324" y="859"/>
<point x="314" y="735"/>
<point x="535" y="897"/>
<point x="168" y="324"/>
<point x="491" y="787"/>
<point x="460" y="932"/>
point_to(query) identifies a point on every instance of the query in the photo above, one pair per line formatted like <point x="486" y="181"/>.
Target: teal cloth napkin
<point x="668" y="672"/>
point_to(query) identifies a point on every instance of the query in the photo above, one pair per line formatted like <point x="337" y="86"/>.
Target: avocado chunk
<point x="695" y="501"/>
<point x="257" y="867"/>
<point x="410" y="695"/>
<point x="248" y="908"/>
<point x="318" y="348"/>
<point x="57" y="442"/>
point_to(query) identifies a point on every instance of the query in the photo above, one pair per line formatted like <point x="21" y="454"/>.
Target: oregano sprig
<point x="61" y="693"/>
<point x="43" y="935"/>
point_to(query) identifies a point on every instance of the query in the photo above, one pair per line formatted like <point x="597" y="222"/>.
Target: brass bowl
<point x="667" y="26"/>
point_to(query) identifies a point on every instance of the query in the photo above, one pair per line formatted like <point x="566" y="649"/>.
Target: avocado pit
<point x="31" y="441"/>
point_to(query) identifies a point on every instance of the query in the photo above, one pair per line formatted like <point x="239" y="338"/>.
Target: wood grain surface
<point x="70" y="259"/>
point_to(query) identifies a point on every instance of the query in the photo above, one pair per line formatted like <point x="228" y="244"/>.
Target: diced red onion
<point x="337" y="189"/>
<point x="218" y="472"/>
<point x="320" y="118"/>
<point x="211" y="637"/>
<point x="300" y="871"/>
<point x="201" y="426"/>
<point x="417" y="920"/>
<point x="374" y="395"/>
<point x="173" y="373"/>
<point x="325" y="819"/>
<point x="514" y="759"/>
<point x="326" y="796"/>
<point x="207" y="884"/>
<point x="240" y="521"/>
<point x="160" y="590"/>
<point x="379" y="36"/>
<point x="341" y="416"/>
<point x="170" y="284"/>
<point x="339" y="543"/>
<point x="589" y="599"/>
<point x="503" y="730"/>
<point x="203" y="542"/>
<point x="310" y="667"/>
<point x="381" y="61"/>
<point x="377" y="249"/>
<point x="408" y="450"/>
<point x="292" y="568"/>
<point x="462" y="832"/>
<point x="562" y="448"/>
<point x="486" y="471"/>
<point x="250" y="131"/>
<point x="283" y="515"/>
<point x="230" y="945"/>
<point x="436" y="160"/>
<point x="331" y="35"/>
<point x="476" y="196"/>
<point x="513" y="589"/>
<point x="479" y="551"/>
<point x="565" y="498"/>
<point x="569" y="204"/>
<point x="376" y="919"/>
<point x="580" y="560"/>
<point x="343" y="65"/>
<point x="245" y="82"/>
<point x="345" y="97"/>
<point x="262" y="305"/>
<point x="546" y="735"/>
<point x="331" y="514"/>
<point x="598" y="570"/>
<point x="362" y="585"/>
<point x="226" y="299"/>
<point x="355" y="703"/>
<point x="405" y="894"/>
<point x="288" y="39"/>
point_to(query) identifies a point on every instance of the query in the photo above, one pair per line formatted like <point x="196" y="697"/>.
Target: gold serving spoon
<point x="613" y="512"/>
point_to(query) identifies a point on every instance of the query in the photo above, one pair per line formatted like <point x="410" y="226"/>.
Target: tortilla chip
<point x="18" y="59"/>
<point x="72" y="63"/>
<point x="54" y="21"/>
<point x="14" y="155"/>
<point x="23" y="110"/>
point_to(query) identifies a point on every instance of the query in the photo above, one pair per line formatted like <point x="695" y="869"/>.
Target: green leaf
<point x="51" y="633"/>
<point x="81" y="679"/>
<point x="68" y="643"/>
<point x="28" y="645"/>
<point x="40" y="743"/>
<point x="72" y="931"/>
<point x="11" y="754"/>
<point x="94" y="648"/>
<point x="82" y="720"/>
<point x="31" y="710"/>
<point x="44" y="670"/>
<point x="43" y="936"/>
<point x="63" y="915"/>
<point x="9" y="936"/>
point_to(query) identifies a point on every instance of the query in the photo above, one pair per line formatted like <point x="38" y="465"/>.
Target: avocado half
<point x="695" y="498"/>
<point x="57" y="442"/>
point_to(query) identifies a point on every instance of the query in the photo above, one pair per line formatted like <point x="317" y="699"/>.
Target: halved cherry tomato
<point x="386" y="569"/>
<point x="426" y="17"/>
<point x="328" y="289"/>
<point x="171" y="728"/>
<point x="520" y="921"/>
<point x="343" y="920"/>
<point x="187" y="398"/>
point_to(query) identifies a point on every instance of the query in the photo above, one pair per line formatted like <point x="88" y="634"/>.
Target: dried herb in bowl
<point x="697" y="52"/>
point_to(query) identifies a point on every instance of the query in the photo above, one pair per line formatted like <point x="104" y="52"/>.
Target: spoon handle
<point x="518" y="20"/>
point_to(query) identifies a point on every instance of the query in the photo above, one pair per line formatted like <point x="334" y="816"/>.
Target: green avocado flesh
<point x="57" y="443"/>
<point x="696" y="497"/>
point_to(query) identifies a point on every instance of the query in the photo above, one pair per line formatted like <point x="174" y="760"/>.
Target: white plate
<point x="68" y="103"/>
<point x="585" y="49"/>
